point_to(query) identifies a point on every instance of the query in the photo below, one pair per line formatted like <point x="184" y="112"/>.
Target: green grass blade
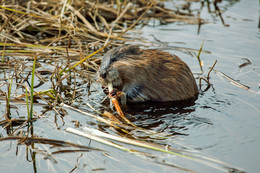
<point x="9" y="95"/>
<point x="198" y="56"/>
<point x="32" y="84"/>
<point x="81" y="61"/>
<point x="49" y="92"/>
<point x="9" y="90"/>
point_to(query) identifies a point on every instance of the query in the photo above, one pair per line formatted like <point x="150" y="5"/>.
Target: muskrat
<point x="147" y="75"/>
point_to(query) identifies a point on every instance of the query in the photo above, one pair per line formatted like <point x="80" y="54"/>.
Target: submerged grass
<point x="27" y="103"/>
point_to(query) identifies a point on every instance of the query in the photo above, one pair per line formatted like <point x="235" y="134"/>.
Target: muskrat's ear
<point x="102" y="74"/>
<point x="118" y="53"/>
<point x="130" y="50"/>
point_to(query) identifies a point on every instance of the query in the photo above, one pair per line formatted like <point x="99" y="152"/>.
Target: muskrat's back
<point x="147" y="74"/>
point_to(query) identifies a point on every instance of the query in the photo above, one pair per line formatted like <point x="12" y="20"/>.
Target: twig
<point x="207" y="79"/>
<point x="234" y="82"/>
<point x="211" y="69"/>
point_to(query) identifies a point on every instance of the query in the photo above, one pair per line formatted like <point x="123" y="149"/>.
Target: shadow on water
<point x="169" y="117"/>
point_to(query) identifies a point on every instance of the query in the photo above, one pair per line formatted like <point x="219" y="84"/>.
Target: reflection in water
<point x="169" y="117"/>
<point x="175" y="118"/>
<point x="259" y="21"/>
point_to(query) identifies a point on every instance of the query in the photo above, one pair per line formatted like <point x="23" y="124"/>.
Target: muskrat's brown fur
<point x="147" y="74"/>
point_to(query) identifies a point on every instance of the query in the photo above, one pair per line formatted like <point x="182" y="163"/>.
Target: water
<point x="233" y="132"/>
<point x="224" y="122"/>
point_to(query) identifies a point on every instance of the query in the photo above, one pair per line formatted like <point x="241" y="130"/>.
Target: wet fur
<point x="147" y="74"/>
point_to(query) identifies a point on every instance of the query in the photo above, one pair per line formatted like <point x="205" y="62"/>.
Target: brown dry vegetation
<point x="62" y="34"/>
<point x="67" y="40"/>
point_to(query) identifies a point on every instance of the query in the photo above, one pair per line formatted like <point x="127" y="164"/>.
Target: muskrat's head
<point x="109" y="69"/>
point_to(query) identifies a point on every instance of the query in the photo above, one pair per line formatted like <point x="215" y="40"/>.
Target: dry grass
<point x="62" y="34"/>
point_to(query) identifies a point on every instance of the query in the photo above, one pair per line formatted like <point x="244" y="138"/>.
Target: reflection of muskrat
<point x="147" y="74"/>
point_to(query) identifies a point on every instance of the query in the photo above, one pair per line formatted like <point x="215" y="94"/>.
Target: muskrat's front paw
<point x="114" y="93"/>
<point x="119" y="95"/>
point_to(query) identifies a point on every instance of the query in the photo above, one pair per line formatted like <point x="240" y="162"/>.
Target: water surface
<point x="223" y="123"/>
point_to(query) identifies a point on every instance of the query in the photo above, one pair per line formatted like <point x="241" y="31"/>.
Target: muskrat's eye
<point x="103" y="75"/>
